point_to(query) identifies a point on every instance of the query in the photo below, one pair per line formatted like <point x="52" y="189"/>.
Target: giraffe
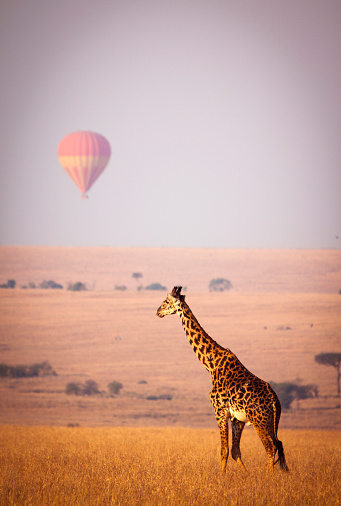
<point x="236" y="393"/>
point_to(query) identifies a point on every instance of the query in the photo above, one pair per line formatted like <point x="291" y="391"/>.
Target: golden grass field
<point x="283" y="309"/>
<point x="161" y="466"/>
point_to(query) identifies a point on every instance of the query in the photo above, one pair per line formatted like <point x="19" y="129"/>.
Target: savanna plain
<point x="156" y="441"/>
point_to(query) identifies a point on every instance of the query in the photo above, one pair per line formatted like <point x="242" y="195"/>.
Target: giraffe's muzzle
<point x="159" y="313"/>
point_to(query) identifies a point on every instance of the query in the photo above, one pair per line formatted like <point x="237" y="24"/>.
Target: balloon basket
<point x="84" y="196"/>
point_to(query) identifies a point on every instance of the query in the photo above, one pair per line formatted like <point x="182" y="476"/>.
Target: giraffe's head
<point x="171" y="303"/>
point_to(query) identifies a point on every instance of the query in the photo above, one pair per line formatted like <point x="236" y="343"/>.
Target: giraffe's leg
<point x="237" y="429"/>
<point x="224" y="432"/>
<point x="222" y="420"/>
<point x="268" y="444"/>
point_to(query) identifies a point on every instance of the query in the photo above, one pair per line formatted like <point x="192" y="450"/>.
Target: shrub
<point x="115" y="387"/>
<point x="27" y="371"/>
<point x="120" y="287"/>
<point x="165" y="397"/>
<point x="43" y="369"/>
<point x="50" y="284"/>
<point x="73" y="389"/>
<point x="90" y="387"/>
<point x="10" y="284"/>
<point x="77" y="287"/>
<point x="219" y="285"/>
<point x="155" y="286"/>
<point x="162" y="397"/>
<point x="4" y="370"/>
<point x="289" y="392"/>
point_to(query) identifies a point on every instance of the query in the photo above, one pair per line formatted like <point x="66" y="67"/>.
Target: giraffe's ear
<point x="176" y="292"/>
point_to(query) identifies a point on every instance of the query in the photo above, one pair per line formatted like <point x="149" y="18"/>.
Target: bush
<point x="162" y="397"/>
<point x="155" y="286"/>
<point x="219" y="285"/>
<point x="43" y="369"/>
<point x="77" y="287"/>
<point x="120" y="287"/>
<point x="90" y="387"/>
<point x="10" y="284"/>
<point x="289" y="392"/>
<point x="27" y="371"/>
<point x="115" y="387"/>
<point x="73" y="389"/>
<point x="4" y="370"/>
<point x="45" y="285"/>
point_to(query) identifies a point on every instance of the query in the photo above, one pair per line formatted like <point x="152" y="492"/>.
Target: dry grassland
<point x="155" y="466"/>
<point x="251" y="271"/>
<point x="284" y="309"/>
<point x="112" y="336"/>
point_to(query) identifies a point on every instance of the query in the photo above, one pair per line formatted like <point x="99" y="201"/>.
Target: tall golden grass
<point x="157" y="466"/>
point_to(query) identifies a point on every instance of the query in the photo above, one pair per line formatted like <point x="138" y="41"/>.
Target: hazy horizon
<point x="223" y="119"/>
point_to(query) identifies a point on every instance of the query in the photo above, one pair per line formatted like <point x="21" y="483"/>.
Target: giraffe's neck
<point x="205" y="348"/>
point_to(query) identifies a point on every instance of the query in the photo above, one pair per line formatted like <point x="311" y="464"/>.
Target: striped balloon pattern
<point x="84" y="156"/>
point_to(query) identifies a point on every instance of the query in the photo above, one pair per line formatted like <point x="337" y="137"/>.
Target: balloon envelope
<point x="84" y="156"/>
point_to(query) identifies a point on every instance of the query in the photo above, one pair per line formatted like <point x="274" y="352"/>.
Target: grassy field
<point x="113" y="336"/>
<point x="284" y="309"/>
<point x="159" y="466"/>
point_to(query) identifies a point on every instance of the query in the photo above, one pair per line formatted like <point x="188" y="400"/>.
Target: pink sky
<point x="223" y="119"/>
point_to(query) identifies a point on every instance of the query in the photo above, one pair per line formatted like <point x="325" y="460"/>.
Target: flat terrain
<point x="283" y="309"/>
<point x="161" y="466"/>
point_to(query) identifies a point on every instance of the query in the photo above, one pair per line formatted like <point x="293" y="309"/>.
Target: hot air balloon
<point x="84" y="156"/>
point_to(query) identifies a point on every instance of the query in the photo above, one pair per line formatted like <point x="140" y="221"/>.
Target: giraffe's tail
<point x="277" y="442"/>
<point x="281" y="456"/>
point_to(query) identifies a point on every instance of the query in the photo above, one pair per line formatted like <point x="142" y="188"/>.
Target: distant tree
<point x="77" y="287"/>
<point x="10" y="284"/>
<point x="120" y="287"/>
<point x="42" y="369"/>
<point x="138" y="276"/>
<point x="50" y="284"/>
<point x="152" y="398"/>
<point x="90" y="387"/>
<point x="73" y="389"/>
<point x="155" y="286"/>
<point x="4" y="370"/>
<point x="289" y="392"/>
<point x="115" y="387"/>
<point x="334" y="360"/>
<point x="219" y="285"/>
<point x="27" y="371"/>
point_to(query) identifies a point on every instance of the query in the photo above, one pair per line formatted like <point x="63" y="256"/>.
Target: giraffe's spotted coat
<point x="236" y="393"/>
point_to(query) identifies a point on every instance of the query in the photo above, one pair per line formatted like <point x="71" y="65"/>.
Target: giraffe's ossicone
<point x="236" y="393"/>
